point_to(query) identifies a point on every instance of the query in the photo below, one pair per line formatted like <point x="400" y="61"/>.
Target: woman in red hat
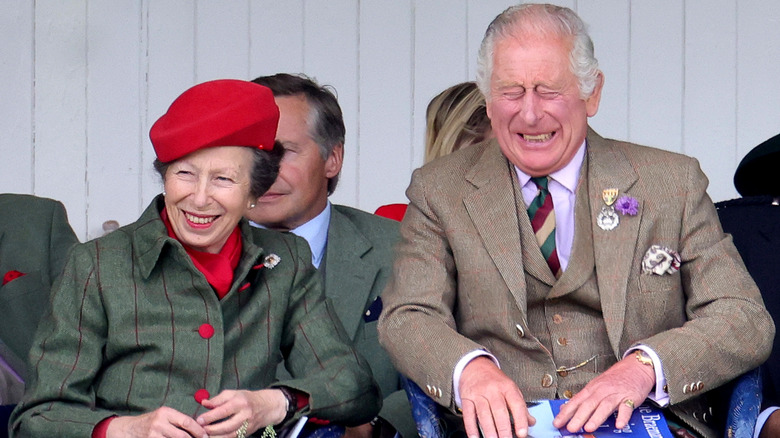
<point x="173" y="326"/>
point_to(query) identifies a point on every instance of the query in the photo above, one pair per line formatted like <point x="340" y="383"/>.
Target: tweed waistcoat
<point x="565" y="315"/>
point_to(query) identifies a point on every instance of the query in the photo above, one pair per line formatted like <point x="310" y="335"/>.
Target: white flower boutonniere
<point x="271" y="260"/>
<point x="660" y="260"/>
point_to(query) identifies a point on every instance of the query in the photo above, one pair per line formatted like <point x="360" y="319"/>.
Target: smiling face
<point x="207" y="193"/>
<point x="535" y="107"/>
<point x="301" y="190"/>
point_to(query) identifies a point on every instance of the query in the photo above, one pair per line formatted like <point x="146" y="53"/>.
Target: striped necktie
<point x="542" y="218"/>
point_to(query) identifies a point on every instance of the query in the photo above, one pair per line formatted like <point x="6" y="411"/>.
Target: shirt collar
<point x="315" y="232"/>
<point x="566" y="176"/>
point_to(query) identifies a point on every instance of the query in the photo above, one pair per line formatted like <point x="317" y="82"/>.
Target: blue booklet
<point x="647" y="421"/>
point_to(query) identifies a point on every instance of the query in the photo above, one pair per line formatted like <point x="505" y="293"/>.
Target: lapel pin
<point x="607" y="219"/>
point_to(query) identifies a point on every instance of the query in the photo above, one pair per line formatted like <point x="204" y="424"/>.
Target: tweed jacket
<point x="358" y="263"/>
<point x="34" y="240"/>
<point x="135" y="326"/>
<point x="466" y="254"/>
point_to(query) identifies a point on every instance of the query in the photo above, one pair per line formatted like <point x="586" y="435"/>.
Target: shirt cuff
<point x="762" y="417"/>
<point x="459" y="370"/>
<point x="660" y="396"/>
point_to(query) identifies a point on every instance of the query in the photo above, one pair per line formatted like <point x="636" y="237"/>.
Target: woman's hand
<point x="162" y="422"/>
<point x="229" y="409"/>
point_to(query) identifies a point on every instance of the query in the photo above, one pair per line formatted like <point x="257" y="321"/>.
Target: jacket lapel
<point x="348" y="277"/>
<point x="493" y="211"/>
<point x="614" y="250"/>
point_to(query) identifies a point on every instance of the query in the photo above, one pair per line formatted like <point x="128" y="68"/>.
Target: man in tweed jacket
<point x="471" y="289"/>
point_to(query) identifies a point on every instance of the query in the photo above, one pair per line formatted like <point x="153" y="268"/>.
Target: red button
<point x="201" y="395"/>
<point x="206" y="331"/>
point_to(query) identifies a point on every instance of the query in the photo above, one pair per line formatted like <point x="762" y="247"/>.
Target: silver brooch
<point x="607" y="219"/>
<point x="271" y="260"/>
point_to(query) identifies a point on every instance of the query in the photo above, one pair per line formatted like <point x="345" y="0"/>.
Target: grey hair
<point x="541" y="19"/>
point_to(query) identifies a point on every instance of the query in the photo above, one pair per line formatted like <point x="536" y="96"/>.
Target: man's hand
<point x="626" y="380"/>
<point x="488" y="397"/>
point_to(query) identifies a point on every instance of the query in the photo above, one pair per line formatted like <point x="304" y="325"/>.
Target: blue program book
<point x="647" y="421"/>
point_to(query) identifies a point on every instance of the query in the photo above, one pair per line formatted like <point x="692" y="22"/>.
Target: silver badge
<point x="607" y="220"/>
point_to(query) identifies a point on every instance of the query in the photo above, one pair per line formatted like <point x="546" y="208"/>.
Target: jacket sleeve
<point x="319" y="355"/>
<point x="727" y="330"/>
<point x="417" y="326"/>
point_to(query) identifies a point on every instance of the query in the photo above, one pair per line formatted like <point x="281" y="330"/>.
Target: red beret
<point x="225" y="112"/>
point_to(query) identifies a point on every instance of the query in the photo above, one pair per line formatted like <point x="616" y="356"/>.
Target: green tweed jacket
<point x="135" y="326"/>
<point x="358" y="262"/>
<point x="34" y="240"/>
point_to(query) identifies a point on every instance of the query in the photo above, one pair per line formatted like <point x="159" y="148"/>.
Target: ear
<point x="592" y="102"/>
<point x="334" y="162"/>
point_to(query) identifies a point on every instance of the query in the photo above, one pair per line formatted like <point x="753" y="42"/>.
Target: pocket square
<point x="11" y="276"/>
<point x="660" y="260"/>
<point x="373" y="311"/>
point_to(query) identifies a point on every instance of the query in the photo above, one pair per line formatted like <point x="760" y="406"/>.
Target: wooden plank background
<point x="82" y="81"/>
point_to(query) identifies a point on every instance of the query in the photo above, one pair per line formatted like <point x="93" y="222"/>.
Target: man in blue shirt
<point x="352" y="248"/>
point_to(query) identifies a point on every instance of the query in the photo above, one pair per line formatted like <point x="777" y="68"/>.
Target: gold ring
<point x="241" y="432"/>
<point x="629" y="403"/>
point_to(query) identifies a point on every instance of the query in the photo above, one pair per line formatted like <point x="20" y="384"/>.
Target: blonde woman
<point x="456" y="118"/>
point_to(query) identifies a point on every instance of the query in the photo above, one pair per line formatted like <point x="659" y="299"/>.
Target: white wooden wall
<point x="81" y="82"/>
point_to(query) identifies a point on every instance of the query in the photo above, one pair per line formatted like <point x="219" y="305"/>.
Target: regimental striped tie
<point x="542" y="218"/>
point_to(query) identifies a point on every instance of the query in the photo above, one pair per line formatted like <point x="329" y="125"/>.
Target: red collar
<point x="217" y="268"/>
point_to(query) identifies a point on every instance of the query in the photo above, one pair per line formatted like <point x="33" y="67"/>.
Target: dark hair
<point x="326" y="122"/>
<point x="264" y="171"/>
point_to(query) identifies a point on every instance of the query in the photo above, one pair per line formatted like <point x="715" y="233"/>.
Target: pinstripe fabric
<point x="541" y="212"/>
<point x="466" y="258"/>
<point x="130" y="333"/>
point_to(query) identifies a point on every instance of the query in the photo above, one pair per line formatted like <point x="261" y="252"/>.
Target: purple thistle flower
<point x="627" y="205"/>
